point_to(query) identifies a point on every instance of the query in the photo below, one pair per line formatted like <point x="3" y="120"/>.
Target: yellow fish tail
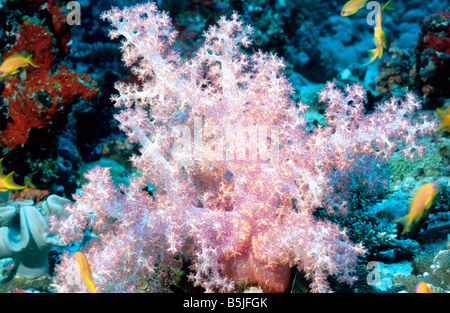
<point x="442" y="119"/>
<point x="9" y="183"/>
<point x="90" y="285"/>
<point x="386" y="6"/>
<point x="28" y="59"/>
<point x="374" y="53"/>
<point x="440" y="127"/>
<point x="405" y="221"/>
<point x="441" y="115"/>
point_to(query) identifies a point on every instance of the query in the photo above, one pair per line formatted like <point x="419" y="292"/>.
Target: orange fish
<point x="85" y="271"/>
<point x="12" y="64"/>
<point x="422" y="287"/>
<point x="444" y="118"/>
<point x="419" y="205"/>
<point x="352" y="6"/>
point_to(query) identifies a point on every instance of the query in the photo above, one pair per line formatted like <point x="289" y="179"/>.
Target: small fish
<point x="352" y="6"/>
<point x="85" y="271"/>
<point x="444" y="118"/>
<point x="379" y="35"/>
<point x="12" y="64"/>
<point x="380" y="44"/>
<point x="7" y="182"/>
<point x="422" y="287"/>
<point x="418" y="206"/>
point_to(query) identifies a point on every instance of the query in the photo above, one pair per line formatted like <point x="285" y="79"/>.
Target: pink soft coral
<point x="235" y="208"/>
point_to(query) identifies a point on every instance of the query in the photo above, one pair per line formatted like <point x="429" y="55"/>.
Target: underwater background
<point x="380" y="223"/>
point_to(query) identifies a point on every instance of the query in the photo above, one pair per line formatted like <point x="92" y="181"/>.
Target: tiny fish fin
<point x="409" y="207"/>
<point x="11" y="69"/>
<point x="373" y="55"/>
<point x="406" y="222"/>
<point x="29" y="61"/>
<point x="428" y="203"/>
<point x="387" y="7"/>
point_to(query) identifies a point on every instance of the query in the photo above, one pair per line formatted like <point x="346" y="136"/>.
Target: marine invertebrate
<point x="52" y="205"/>
<point x="28" y="246"/>
<point x="29" y="194"/>
<point x="394" y="72"/>
<point x="238" y="213"/>
<point x="432" y="59"/>
<point x="361" y="222"/>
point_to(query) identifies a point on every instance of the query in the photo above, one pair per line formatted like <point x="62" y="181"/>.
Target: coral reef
<point x="433" y="269"/>
<point x="409" y="175"/>
<point x="38" y="103"/>
<point x="432" y="59"/>
<point x="394" y="73"/>
<point x="238" y="214"/>
<point x="46" y="94"/>
<point x="364" y="222"/>
<point x="223" y="157"/>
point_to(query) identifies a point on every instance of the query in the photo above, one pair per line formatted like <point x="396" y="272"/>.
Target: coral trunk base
<point x="244" y="266"/>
